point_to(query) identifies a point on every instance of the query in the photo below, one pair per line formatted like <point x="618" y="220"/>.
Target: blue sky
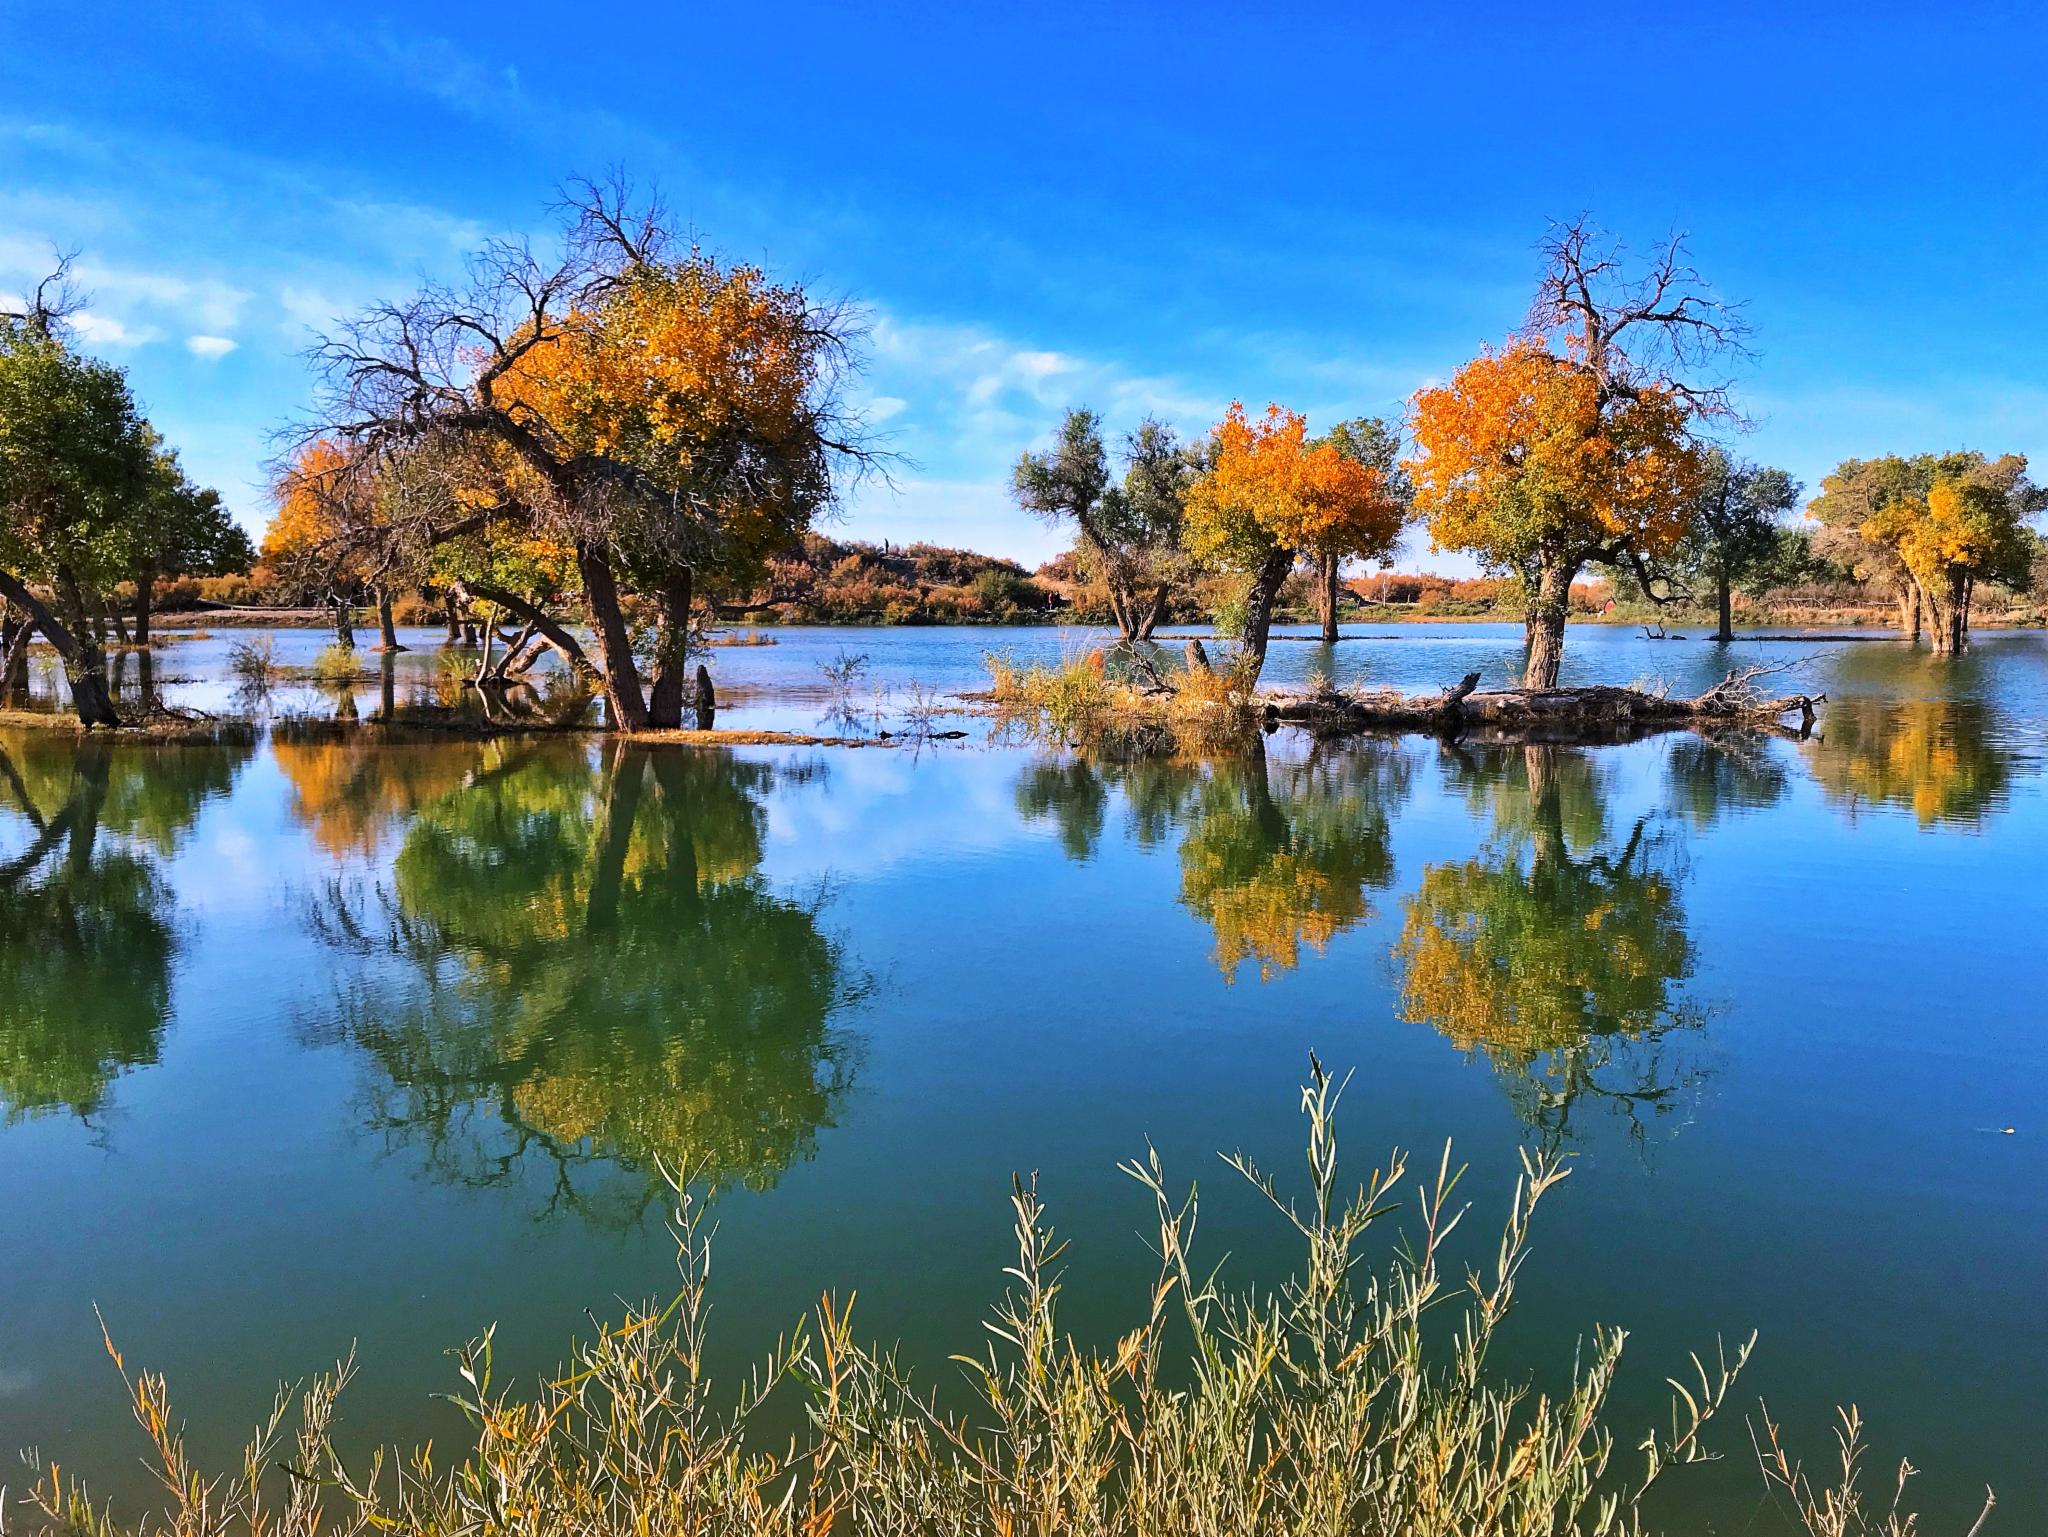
<point x="1137" y="208"/>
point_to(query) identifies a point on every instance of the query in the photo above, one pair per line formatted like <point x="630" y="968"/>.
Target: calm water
<point x="311" y="1040"/>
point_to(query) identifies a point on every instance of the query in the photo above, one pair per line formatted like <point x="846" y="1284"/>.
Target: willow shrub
<point x="1324" y="1407"/>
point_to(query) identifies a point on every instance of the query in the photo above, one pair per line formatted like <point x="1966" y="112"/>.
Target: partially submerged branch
<point x="1595" y="710"/>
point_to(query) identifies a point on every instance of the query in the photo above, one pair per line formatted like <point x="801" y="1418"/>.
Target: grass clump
<point x="1123" y="693"/>
<point x="336" y="664"/>
<point x="1336" y="1404"/>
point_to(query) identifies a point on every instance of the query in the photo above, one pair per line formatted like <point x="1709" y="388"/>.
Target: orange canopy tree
<point x="1271" y="496"/>
<point x="663" y="417"/>
<point x="1574" y="443"/>
<point x="319" y="539"/>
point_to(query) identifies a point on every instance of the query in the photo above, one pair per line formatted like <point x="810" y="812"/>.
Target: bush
<point x="254" y="662"/>
<point x="336" y="664"/>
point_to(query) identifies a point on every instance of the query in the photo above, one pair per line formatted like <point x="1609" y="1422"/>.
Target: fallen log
<point x="1597" y="711"/>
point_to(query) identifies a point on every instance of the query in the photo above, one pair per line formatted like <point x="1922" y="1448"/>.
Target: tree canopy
<point x="1128" y="534"/>
<point x="1933" y="526"/>
<point x="1270" y="495"/>
<point x="1576" y="441"/>
<point x="663" y="417"/>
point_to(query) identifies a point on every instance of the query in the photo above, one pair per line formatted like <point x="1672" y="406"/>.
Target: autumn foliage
<point x="1271" y="495"/>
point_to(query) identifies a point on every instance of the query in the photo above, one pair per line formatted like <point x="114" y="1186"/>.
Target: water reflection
<point x="87" y="931"/>
<point x="1274" y="855"/>
<point x="1944" y="759"/>
<point x="1555" y="952"/>
<point x="596" y="978"/>
<point x="1710" y="777"/>
<point x="1278" y="856"/>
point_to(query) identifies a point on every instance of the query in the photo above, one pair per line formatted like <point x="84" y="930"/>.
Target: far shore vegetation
<point x="609" y="451"/>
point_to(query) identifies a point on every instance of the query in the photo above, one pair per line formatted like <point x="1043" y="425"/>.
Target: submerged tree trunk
<point x="1328" y="589"/>
<point x="454" y="621"/>
<point x="145" y="598"/>
<point x="344" y="624"/>
<point x="625" y="704"/>
<point x="1909" y="611"/>
<point x="386" y="622"/>
<point x="84" y="666"/>
<point x="666" y="696"/>
<point x="1258" y="611"/>
<point x="1726" y="603"/>
<point x="1548" y="606"/>
<point x="1948" y="617"/>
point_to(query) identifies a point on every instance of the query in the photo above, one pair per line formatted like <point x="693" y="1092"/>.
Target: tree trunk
<point x="1120" y="610"/>
<point x="1545" y="624"/>
<point x="625" y="704"/>
<point x="386" y="624"/>
<point x="1327" y="590"/>
<point x="1909" y="611"/>
<point x="145" y="597"/>
<point x="1727" y="608"/>
<point x="454" y="622"/>
<point x="1948" y="619"/>
<point x="15" y="634"/>
<point x="707" y="699"/>
<point x="84" y="667"/>
<point x="344" y="625"/>
<point x="114" y="620"/>
<point x="665" y="697"/>
<point x="1258" y="611"/>
<point x="1149" y="621"/>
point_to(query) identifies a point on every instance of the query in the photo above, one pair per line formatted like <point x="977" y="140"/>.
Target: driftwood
<point x="1594" y="712"/>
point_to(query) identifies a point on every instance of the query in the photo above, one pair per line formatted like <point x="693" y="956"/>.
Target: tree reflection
<point x="1274" y="856"/>
<point x="87" y="936"/>
<point x="601" y="980"/>
<point x="1281" y="856"/>
<point x="1944" y="759"/>
<point x="1555" y="951"/>
<point x="1709" y="777"/>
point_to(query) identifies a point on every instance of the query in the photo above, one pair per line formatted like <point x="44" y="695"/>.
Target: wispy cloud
<point x="209" y="346"/>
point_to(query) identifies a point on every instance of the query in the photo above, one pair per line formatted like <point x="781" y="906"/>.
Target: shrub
<point x="254" y="662"/>
<point x="336" y="664"/>
<point x="1335" y="1403"/>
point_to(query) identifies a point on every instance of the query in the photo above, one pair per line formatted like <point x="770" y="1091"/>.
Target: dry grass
<point x="1355" y="1399"/>
<point x="1116" y="692"/>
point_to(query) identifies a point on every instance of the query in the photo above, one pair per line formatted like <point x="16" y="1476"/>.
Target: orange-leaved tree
<point x="670" y="418"/>
<point x="1574" y="443"/>
<point x="316" y="538"/>
<point x="1271" y="496"/>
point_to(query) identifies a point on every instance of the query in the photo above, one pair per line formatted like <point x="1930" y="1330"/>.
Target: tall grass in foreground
<point x="1333" y="1405"/>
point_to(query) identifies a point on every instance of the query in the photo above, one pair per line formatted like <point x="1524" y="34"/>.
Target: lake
<point x="315" y="1040"/>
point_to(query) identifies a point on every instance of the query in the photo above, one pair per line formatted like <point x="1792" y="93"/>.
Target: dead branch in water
<point x="1597" y="711"/>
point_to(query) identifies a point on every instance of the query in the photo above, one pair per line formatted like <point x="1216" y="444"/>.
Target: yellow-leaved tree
<point x="663" y="417"/>
<point x="1931" y="527"/>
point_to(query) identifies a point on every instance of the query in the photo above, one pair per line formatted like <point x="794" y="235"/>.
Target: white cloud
<point x="103" y="330"/>
<point x="882" y="407"/>
<point x="209" y="346"/>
